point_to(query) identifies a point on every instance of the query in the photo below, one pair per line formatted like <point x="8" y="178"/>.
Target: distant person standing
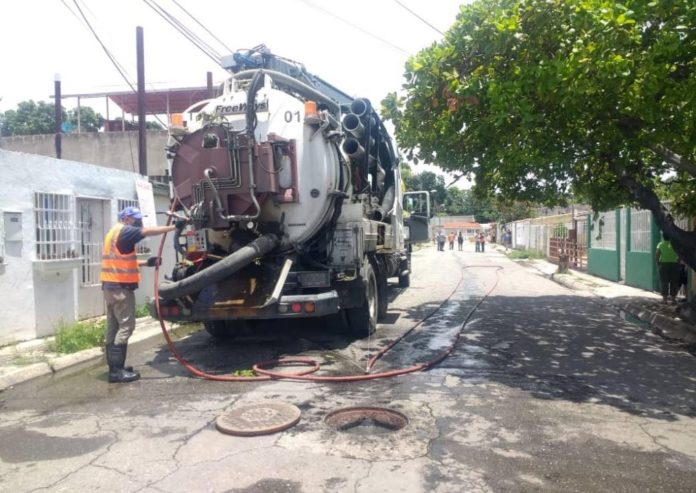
<point x="460" y="241"/>
<point x="440" y="241"/>
<point x="670" y="271"/>
<point x="450" y="238"/>
<point x="478" y="242"/>
<point x="482" y="241"/>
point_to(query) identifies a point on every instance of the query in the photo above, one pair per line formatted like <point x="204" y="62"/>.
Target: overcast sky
<point x="359" y="46"/>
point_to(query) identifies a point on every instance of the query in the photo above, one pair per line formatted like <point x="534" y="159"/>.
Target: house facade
<point x="53" y="218"/>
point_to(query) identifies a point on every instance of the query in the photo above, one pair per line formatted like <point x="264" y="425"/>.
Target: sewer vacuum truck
<point x="292" y="198"/>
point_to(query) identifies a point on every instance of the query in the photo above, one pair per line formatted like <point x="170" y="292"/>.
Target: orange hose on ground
<point x="304" y="375"/>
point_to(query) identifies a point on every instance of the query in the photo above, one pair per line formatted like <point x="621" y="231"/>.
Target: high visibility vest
<point x="116" y="266"/>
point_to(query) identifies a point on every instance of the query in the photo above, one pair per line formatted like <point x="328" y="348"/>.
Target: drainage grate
<point x="259" y="419"/>
<point x="366" y="420"/>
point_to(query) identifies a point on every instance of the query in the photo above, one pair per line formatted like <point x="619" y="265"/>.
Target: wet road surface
<point x="545" y="390"/>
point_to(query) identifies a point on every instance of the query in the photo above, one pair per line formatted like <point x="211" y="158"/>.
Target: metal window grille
<point x="143" y="247"/>
<point x="641" y="231"/>
<point x="581" y="228"/>
<point x="91" y="249"/>
<point x="55" y="227"/>
<point x="604" y="231"/>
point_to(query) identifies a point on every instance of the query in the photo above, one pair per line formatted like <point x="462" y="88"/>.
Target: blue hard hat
<point x="133" y="212"/>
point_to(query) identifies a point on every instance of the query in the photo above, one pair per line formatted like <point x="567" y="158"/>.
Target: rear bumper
<point x="292" y="306"/>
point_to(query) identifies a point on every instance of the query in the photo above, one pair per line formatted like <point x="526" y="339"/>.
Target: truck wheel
<point x="225" y="329"/>
<point x="362" y="320"/>
<point x="405" y="281"/>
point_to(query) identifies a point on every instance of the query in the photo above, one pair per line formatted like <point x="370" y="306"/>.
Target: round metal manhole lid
<point x="366" y="420"/>
<point x="258" y="419"/>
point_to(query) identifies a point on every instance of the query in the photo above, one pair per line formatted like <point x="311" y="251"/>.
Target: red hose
<point x="304" y="375"/>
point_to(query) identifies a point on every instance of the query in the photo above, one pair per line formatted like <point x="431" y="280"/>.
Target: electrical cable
<point x="184" y="31"/>
<point x="418" y="17"/>
<point x="354" y="26"/>
<point x="201" y="24"/>
<point x="113" y="60"/>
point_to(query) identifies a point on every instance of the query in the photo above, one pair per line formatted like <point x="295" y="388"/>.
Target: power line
<point x="205" y="28"/>
<point x="418" y="17"/>
<point x="208" y="50"/>
<point x="354" y="26"/>
<point x="113" y="60"/>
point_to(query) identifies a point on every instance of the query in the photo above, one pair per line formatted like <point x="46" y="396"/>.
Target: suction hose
<point x="224" y="268"/>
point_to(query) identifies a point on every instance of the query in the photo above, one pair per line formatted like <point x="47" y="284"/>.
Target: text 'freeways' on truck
<point x="293" y="194"/>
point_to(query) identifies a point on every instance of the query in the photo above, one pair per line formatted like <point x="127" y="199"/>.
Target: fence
<point x="555" y="237"/>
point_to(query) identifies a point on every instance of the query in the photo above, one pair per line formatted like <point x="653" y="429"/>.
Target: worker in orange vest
<point x="120" y="277"/>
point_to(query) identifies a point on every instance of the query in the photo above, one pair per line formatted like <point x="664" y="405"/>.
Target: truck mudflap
<point x="290" y="306"/>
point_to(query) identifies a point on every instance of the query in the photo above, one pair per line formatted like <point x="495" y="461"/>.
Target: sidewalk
<point x="646" y="306"/>
<point x="31" y="359"/>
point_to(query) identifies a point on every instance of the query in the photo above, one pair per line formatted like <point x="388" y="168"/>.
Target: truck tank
<point x="292" y="194"/>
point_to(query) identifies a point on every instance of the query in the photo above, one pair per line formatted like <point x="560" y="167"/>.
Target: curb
<point x="663" y="325"/>
<point x="148" y="330"/>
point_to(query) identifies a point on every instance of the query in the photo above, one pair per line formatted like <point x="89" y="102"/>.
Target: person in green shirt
<point x="668" y="265"/>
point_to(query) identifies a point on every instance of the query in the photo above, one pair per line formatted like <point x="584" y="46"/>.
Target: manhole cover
<point x="366" y="420"/>
<point x="258" y="419"/>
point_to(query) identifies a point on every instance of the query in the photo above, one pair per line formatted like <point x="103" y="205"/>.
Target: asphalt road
<point x="545" y="390"/>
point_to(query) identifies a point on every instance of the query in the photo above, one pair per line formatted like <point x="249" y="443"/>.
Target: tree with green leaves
<point x="32" y="118"/>
<point x="541" y="99"/>
<point x="29" y="118"/>
<point x="90" y="120"/>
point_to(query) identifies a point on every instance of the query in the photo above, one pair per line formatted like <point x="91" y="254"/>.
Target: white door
<point x="91" y="225"/>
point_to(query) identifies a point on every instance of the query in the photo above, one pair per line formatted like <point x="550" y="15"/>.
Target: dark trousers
<point x="670" y="282"/>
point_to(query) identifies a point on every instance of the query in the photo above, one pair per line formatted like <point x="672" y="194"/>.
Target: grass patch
<point x="244" y="373"/>
<point x="78" y="336"/>
<point x="141" y="311"/>
<point x="524" y="254"/>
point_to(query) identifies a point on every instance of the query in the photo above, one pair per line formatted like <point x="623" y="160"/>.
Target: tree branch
<point x="679" y="162"/>
<point x="684" y="242"/>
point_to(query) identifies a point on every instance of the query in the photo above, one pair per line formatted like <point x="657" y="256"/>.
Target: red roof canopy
<point x="161" y="102"/>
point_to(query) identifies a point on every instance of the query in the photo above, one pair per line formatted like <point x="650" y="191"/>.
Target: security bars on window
<point x="55" y="228"/>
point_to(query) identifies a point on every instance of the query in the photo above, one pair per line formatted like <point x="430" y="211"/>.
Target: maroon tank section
<point x="226" y="154"/>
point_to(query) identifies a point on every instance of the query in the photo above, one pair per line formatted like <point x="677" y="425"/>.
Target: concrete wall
<point x="37" y="296"/>
<point x="111" y="149"/>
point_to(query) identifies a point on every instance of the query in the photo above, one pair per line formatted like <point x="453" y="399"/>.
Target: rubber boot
<point x="127" y="368"/>
<point x="115" y="358"/>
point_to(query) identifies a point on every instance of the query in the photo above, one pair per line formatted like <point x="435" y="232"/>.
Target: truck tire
<point x="225" y="329"/>
<point x="362" y="320"/>
<point x="405" y="281"/>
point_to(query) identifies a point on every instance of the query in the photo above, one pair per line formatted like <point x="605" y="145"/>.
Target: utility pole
<point x="142" y="149"/>
<point x="58" y="116"/>
<point x="209" y="84"/>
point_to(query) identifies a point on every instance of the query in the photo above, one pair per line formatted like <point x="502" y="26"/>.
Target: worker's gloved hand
<point x="154" y="261"/>
<point x="180" y="224"/>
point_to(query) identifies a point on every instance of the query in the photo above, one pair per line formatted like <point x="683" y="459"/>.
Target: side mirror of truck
<point x="417" y="216"/>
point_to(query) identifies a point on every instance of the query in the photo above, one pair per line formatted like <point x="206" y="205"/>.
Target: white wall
<point x="32" y="301"/>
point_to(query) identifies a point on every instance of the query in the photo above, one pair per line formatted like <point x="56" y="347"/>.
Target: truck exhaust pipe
<point x="217" y="272"/>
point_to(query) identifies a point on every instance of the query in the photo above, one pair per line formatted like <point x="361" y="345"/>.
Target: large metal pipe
<point x="353" y="148"/>
<point x="353" y="125"/>
<point x="387" y="203"/>
<point x="360" y="107"/>
<point x="219" y="271"/>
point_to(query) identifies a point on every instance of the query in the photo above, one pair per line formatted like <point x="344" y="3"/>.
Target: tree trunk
<point x="684" y="242"/>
